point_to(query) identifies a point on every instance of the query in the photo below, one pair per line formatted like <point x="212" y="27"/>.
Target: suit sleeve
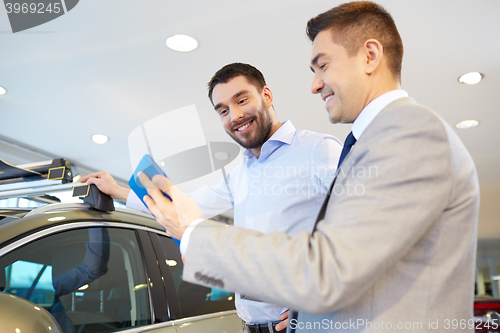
<point x="372" y="221"/>
<point x="213" y="200"/>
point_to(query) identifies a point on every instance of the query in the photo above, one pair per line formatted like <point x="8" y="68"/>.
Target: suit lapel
<point x="322" y="211"/>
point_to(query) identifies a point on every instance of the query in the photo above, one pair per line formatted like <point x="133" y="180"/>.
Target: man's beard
<point x="264" y="125"/>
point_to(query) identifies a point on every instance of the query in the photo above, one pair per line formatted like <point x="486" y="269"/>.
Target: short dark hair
<point x="226" y="73"/>
<point x="354" y="23"/>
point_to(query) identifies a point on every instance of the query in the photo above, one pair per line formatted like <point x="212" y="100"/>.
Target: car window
<point x="90" y="280"/>
<point x="194" y="299"/>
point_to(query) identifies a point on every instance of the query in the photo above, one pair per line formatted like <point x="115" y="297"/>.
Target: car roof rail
<point x="35" y="178"/>
<point x="57" y="169"/>
<point x="134" y="212"/>
<point x="57" y="206"/>
<point x="62" y="206"/>
<point x="27" y="189"/>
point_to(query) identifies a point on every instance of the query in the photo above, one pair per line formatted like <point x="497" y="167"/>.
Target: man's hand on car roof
<point x="107" y="184"/>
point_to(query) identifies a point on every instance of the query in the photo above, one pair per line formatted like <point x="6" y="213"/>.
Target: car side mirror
<point x="20" y="315"/>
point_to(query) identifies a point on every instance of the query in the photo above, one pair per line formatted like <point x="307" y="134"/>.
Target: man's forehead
<point x="232" y="87"/>
<point x="325" y="46"/>
<point x="321" y="43"/>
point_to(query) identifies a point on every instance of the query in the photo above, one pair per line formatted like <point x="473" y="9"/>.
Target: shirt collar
<point x="373" y="109"/>
<point x="284" y="134"/>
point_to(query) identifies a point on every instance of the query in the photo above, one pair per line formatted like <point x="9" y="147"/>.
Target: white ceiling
<point x="104" y="68"/>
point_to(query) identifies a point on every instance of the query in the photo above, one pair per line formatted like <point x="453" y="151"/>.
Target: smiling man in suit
<point x="395" y="242"/>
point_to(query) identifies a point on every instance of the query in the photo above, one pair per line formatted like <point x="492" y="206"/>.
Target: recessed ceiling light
<point x="99" y="138"/>
<point x="465" y="124"/>
<point x="2" y="91"/>
<point x="181" y="43"/>
<point x="221" y="155"/>
<point x="471" y="78"/>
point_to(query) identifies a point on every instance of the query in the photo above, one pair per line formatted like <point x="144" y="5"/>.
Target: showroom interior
<point x="104" y="68"/>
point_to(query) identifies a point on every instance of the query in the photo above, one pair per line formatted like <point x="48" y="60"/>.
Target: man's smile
<point x="327" y="97"/>
<point x="244" y="128"/>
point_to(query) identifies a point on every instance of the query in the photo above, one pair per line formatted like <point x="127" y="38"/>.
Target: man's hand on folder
<point x="174" y="215"/>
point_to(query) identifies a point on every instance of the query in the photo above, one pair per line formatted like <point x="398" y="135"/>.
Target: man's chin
<point x="239" y="140"/>
<point x="334" y="119"/>
<point x="247" y="144"/>
<point x="338" y="118"/>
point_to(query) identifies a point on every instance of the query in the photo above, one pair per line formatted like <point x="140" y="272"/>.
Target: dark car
<point x="97" y="271"/>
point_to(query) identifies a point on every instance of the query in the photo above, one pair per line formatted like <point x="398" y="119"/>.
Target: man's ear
<point x="268" y="96"/>
<point x="373" y="53"/>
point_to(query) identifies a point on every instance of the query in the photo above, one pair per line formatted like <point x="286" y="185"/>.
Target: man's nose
<point x="317" y="85"/>
<point x="236" y="114"/>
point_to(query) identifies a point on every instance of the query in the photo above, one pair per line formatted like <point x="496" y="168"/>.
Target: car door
<point x="90" y="276"/>
<point x="195" y="308"/>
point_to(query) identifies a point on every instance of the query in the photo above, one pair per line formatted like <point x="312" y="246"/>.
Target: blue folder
<point x="150" y="168"/>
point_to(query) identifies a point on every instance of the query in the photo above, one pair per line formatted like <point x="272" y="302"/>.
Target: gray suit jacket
<point x="396" y="246"/>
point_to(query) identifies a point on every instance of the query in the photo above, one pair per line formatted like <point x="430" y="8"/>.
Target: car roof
<point x="19" y="222"/>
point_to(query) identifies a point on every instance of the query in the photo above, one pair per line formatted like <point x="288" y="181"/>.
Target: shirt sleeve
<point x="133" y="202"/>
<point x="213" y="200"/>
<point x="324" y="160"/>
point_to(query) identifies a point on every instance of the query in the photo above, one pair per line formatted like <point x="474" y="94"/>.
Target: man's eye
<point x="241" y="101"/>
<point x="222" y="112"/>
<point x="322" y="67"/>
